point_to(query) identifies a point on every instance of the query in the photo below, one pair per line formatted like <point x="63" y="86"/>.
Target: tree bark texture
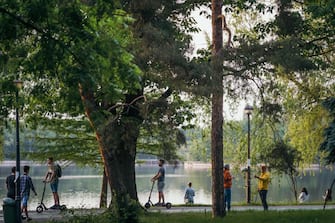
<point x="116" y="137"/>
<point x="217" y="113"/>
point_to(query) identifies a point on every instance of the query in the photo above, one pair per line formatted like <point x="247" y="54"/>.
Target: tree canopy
<point x="124" y="67"/>
<point x="328" y="145"/>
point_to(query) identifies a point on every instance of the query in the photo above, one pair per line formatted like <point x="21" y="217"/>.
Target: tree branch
<point x="42" y="31"/>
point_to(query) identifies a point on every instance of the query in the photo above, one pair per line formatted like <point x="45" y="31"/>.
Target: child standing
<point x="189" y="194"/>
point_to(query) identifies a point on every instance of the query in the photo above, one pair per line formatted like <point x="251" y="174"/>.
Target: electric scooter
<point x="41" y="206"/>
<point x="147" y="205"/>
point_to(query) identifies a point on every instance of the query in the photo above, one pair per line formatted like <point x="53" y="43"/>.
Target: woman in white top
<point x="303" y="196"/>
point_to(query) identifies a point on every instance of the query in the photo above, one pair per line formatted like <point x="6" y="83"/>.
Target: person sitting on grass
<point x="303" y="196"/>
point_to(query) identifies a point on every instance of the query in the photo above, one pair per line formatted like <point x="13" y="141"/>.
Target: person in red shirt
<point x="227" y="183"/>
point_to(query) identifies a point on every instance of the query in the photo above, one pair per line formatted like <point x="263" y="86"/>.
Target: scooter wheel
<point x="39" y="209"/>
<point x="147" y="205"/>
<point x="168" y="205"/>
<point x="63" y="207"/>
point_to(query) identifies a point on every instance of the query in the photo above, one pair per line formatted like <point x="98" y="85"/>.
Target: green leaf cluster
<point x="328" y="144"/>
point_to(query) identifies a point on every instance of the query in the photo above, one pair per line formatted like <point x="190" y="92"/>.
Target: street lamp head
<point x="248" y="109"/>
<point x="18" y="83"/>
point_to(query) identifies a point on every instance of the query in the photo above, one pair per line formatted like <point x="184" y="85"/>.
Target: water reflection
<point x="80" y="187"/>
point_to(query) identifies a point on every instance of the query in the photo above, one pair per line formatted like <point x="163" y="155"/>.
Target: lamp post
<point x="18" y="85"/>
<point x="248" y="110"/>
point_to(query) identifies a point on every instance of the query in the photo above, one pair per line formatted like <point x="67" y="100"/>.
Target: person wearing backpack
<point x="52" y="175"/>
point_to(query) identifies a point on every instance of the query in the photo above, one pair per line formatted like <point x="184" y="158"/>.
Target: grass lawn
<point x="303" y="216"/>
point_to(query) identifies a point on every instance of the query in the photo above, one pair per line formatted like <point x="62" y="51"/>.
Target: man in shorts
<point x="160" y="177"/>
<point x="52" y="178"/>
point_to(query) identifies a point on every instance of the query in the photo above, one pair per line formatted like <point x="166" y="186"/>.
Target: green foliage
<point x="282" y="157"/>
<point x="165" y="120"/>
<point x="304" y="114"/>
<point x="66" y="140"/>
<point x="305" y="133"/>
<point x="67" y="46"/>
<point x="124" y="209"/>
<point x="71" y="47"/>
<point x="328" y="145"/>
<point x="91" y="44"/>
<point x="235" y="142"/>
<point x="62" y="138"/>
<point x="91" y="218"/>
<point x="199" y="148"/>
<point x="198" y="145"/>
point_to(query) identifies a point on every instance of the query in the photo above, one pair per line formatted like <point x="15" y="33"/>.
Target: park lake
<point x="80" y="186"/>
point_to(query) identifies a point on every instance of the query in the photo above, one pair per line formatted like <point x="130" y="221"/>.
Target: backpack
<point x="58" y="170"/>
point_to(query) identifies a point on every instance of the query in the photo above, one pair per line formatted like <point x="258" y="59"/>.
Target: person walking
<point x="52" y="178"/>
<point x="10" y="184"/>
<point x="189" y="194"/>
<point x="26" y="184"/>
<point x="160" y="177"/>
<point x="227" y="183"/>
<point x="263" y="186"/>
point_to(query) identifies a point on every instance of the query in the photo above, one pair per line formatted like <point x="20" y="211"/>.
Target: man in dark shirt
<point x="10" y="182"/>
<point x="160" y="177"/>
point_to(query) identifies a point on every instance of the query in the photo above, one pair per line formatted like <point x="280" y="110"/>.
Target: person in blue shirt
<point x="189" y="194"/>
<point x="160" y="177"/>
<point x="26" y="184"/>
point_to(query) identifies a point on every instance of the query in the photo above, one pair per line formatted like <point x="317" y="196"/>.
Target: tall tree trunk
<point x="217" y="113"/>
<point x="117" y="138"/>
<point x="119" y="156"/>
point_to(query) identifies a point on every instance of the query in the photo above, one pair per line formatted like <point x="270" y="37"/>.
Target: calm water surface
<point x="80" y="187"/>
